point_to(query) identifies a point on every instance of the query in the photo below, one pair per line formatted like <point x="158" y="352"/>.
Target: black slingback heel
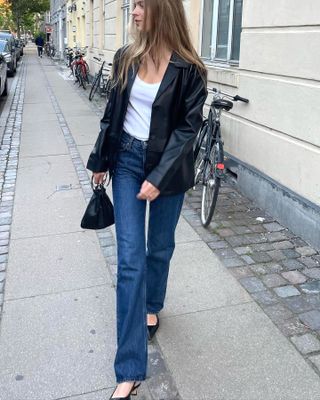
<point x="152" y="329"/>
<point x="132" y="392"/>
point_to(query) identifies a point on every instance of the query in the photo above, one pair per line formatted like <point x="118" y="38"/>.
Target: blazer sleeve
<point x="98" y="159"/>
<point x="182" y="138"/>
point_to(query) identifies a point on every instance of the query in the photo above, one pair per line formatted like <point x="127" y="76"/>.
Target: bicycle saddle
<point x="225" y="104"/>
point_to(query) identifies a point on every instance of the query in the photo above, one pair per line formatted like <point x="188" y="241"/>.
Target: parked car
<point x="3" y="76"/>
<point x="23" y="44"/>
<point x="19" y="48"/>
<point x="11" y="52"/>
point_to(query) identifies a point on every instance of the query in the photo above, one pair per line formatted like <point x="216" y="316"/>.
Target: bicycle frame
<point x="214" y="139"/>
<point x="80" y="69"/>
<point x="209" y="155"/>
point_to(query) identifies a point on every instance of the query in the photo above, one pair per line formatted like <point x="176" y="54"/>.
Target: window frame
<point x="214" y="36"/>
<point x="125" y="8"/>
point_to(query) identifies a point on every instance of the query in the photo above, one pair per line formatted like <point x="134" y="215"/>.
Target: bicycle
<point x="68" y="57"/>
<point x="49" y="50"/>
<point x="80" y="68"/>
<point x="209" y="155"/>
<point x="101" y="81"/>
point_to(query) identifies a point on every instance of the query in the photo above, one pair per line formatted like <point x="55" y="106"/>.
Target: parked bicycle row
<point x="79" y="69"/>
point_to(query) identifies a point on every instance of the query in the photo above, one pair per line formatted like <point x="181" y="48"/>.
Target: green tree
<point x="6" y="19"/>
<point x="23" y="11"/>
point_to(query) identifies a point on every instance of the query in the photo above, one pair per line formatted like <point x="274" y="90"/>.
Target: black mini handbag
<point x="99" y="213"/>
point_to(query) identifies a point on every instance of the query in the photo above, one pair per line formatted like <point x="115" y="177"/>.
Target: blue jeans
<point x="142" y="267"/>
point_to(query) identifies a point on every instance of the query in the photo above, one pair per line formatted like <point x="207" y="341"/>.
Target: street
<point x="242" y="315"/>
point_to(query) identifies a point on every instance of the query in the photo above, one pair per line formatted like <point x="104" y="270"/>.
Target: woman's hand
<point x="148" y="192"/>
<point x="98" y="177"/>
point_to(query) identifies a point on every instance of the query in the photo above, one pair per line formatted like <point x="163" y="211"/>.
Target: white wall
<point x="278" y="132"/>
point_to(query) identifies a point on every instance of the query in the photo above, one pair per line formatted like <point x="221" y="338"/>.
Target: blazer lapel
<point x="172" y="71"/>
<point x="132" y="73"/>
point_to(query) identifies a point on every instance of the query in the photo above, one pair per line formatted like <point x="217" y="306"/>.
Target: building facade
<point x="267" y="51"/>
<point x="76" y="23"/>
<point x="59" y="25"/>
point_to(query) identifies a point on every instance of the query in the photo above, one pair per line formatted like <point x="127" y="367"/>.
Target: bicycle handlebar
<point x="239" y="98"/>
<point x="100" y="59"/>
<point x="234" y="98"/>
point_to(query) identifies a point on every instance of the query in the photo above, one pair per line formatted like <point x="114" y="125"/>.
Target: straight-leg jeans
<point x="142" y="267"/>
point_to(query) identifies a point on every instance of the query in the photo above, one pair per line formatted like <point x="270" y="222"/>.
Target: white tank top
<point x="138" y="116"/>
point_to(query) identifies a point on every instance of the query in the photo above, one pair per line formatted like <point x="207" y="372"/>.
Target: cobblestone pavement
<point x="279" y="270"/>
<point x="9" y="155"/>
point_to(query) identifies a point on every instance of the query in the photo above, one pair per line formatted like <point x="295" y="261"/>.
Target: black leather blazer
<point x="175" y="120"/>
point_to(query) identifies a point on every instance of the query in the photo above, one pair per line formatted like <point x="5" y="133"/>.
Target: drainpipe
<point x="60" y="31"/>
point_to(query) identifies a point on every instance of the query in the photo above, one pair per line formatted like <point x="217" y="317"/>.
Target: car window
<point x="4" y="38"/>
<point x="7" y="38"/>
<point x="3" y="46"/>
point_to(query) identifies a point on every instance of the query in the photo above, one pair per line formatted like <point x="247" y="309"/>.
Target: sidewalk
<point x="57" y="337"/>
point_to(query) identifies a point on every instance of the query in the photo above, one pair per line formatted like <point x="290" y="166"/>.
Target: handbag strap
<point x="95" y="186"/>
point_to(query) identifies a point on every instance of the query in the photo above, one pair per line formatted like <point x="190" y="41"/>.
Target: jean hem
<point x="153" y="312"/>
<point x="137" y="378"/>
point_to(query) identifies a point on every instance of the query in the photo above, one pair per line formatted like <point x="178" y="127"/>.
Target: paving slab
<point x="66" y="346"/>
<point x="34" y="96"/>
<point x="61" y="213"/>
<point x="74" y="108"/>
<point x="84" y="151"/>
<point x="43" y="108"/>
<point x="234" y="353"/>
<point x="184" y="232"/>
<point x="96" y="395"/>
<point x="39" y="116"/>
<point x="52" y="264"/>
<point x="198" y="281"/>
<point x="39" y="177"/>
<point x="40" y="126"/>
<point x="84" y="130"/>
<point x="43" y="143"/>
<point x="65" y="95"/>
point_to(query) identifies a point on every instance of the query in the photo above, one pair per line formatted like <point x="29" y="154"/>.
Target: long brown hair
<point x="167" y="26"/>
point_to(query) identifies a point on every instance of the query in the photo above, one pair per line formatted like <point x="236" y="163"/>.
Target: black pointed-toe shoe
<point x="132" y="392"/>
<point x="152" y="329"/>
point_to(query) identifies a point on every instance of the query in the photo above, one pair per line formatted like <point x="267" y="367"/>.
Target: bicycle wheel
<point x="84" y="79"/>
<point x="95" y="86"/>
<point x="86" y="72"/>
<point x="78" y="75"/>
<point x="199" y="151"/>
<point x="74" y="69"/>
<point x="107" y="88"/>
<point x="211" y="184"/>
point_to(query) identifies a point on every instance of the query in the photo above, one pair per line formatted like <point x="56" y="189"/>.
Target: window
<point x="91" y="24"/>
<point x="221" y="30"/>
<point x="125" y="20"/>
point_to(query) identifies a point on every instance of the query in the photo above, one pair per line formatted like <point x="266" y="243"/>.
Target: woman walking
<point x="146" y="145"/>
